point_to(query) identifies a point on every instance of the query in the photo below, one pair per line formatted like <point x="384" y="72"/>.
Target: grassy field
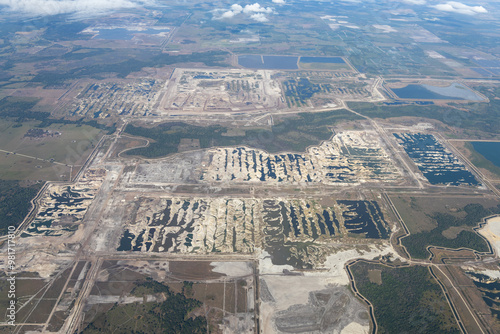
<point x="405" y="300"/>
<point x="479" y="117"/>
<point x="174" y="315"/>
<point x="71" y="147"/>
<point x="288" y="134"/>
<point x="445" y="222"/>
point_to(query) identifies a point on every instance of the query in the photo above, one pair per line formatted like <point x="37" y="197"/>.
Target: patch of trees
<point x="15" y="202"/>
<point x="417" y="243"/>
<point x="21" y="110"/>
<point x="289" y="134"/>
<point x="124" y="68"/>
<point x="407" y="301"/>
<point x="171" y="316"/>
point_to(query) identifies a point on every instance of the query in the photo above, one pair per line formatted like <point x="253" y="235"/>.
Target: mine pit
<point x="348" y="158"/>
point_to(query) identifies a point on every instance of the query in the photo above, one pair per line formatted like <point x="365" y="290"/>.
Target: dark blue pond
<point x="489" y="150"/>
<point x="419" y="92"/>
<point x="329" y="60"/>
<point x="268" y="62"/>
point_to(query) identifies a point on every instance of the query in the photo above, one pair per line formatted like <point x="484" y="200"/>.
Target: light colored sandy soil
<point x="491" y="231"/>
<point x="233" y="269"/>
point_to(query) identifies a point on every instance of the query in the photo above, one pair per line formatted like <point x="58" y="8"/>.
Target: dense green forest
<point x="15" y="202"/>
<point x="170" y="316"/>
<point x="417" y="243"/>
<point x="290" y="134"/>
<point x="409" y="300"/>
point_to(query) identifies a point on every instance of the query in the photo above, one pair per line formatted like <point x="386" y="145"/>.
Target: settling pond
<point x="283" y="62"/>
<point x="455" y="91"/>
<point x="489" y="150"/>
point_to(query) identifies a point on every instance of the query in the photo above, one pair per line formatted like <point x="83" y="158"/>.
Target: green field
<point x="288" y="134"/>
<point x="408" y="300"/>
<point x="71" y="147"/>
<point x="451" y="231"/>
<point x="174" y="315"/>
<point x="478" y="117"/>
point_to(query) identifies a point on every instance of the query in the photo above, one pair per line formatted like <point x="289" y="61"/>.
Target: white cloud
<point x="79" y="7"/>
<point x="255" y="11"/>
<point x="257" y="8"/>
<point x="259" y="17"/>
<point x="227" y="15"/>
<point x="236" y="8"/>
<point x="458" y="7"/>
<point x="279" y="1"/>
<point x="415" y="2"/>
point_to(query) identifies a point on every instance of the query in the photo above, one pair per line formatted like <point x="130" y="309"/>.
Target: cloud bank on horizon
<point x="255" y="11"/>
<point x="77" y="7"/>
<point x="458" y="7"/>
<point x="415" y="2"/>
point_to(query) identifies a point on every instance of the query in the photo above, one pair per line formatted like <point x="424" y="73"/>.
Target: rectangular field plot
<point x="132" y="295"/>
<point x="435" y="162"/>
<point x="348" y="158"/>
<point x="221" y="90"/>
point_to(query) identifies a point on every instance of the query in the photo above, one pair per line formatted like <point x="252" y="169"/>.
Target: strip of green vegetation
<point x="209" y="58"/>
<point x="478" y="116"/>
<point x="417" y="243"/>
<point x="290" y="134"/>
<point x="20" y="108"/>
<point x="170" y="316"/>
<point x="407" y="301"/>
<point x="480" y="161"/>
<point x="15" y="202"/>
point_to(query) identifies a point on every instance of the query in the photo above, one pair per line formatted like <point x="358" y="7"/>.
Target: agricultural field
<point x="44" y="153"/>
